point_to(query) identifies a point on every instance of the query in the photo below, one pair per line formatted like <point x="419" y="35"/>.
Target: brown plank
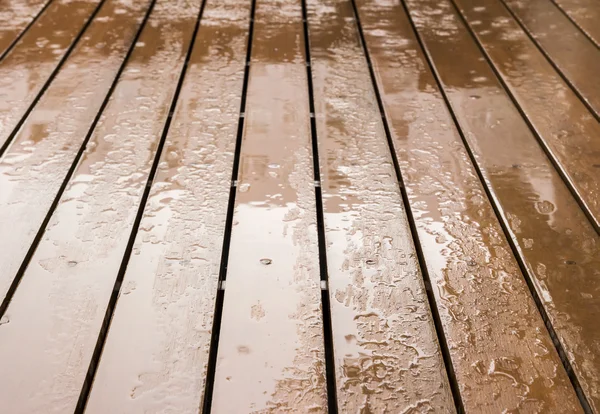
<point x="271" y="354"/>
<point x="555" y="240"/>
<point x="502" y="355"/>
<point x="25" y="70"/>
<point x="169" y="290"/>
<point x="572" y="53"/>
<point x="585" y="14"/>
<point x="380" y="315"/>
<point x="56" y="314"/>
<point x="568" y="131"/>
<point x="34" y="167"/>
<point x="15" y="16"/>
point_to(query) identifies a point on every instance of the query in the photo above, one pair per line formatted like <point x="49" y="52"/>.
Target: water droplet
<point x="544" y="207"/>
<point x="243" y="349"/>
<point x="266" y="261"/>
<point x="370" y="262"/>
<point x="72" y="263"/>
<point x="570" y="262"/>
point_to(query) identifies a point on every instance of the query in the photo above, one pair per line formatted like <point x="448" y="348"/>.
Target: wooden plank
<point x="585" y="14"/>
<point x="572" y="53"/>
<point x="559" y="246"/>
<point x="380" y="315"/>
<point x="169" y="290"/>
<point x="569" y="133"/>
<point x="271" y="352"/>
<point x="34" y="167"/>
<point x="502" y="355"/>
<point x="25" y="70"/>
<point x="15" y="16"/>
<point x="56" y="314"/>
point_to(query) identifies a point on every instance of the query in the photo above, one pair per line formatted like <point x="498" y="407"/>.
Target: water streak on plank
<point x="585" y="14"/>
<point x="382" y="325"/>
<point x="572" y="53"/>
<point x="271" y="351"/>
<point x="558" y="245"/>
<point x="503" y="356"/>
<point x="57" y="312"/>
<point x="567" y="130"/>
<point x="25" y="70"/>
<point x="15" y="16"/>
<point x="168" y="294"/>
<point x="35" y="165"/>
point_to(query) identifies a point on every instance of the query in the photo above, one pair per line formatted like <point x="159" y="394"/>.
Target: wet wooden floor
<point x="252" y="206"/>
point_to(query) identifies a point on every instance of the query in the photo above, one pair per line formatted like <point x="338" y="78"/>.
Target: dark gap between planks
<point x="583" y="32"/>
<point x="325" y="301"/>
<point x="218" y="314"/>
<point x="51" y="77"/>
<point x="538" y="302"/>
<point x="557" y="166"/>
<point x="86" y="388"/>
<point x="549" y="59"/>
<point x="20" y="35"/>
<point x="454" y="387"/>
<point x="17" y="279"/>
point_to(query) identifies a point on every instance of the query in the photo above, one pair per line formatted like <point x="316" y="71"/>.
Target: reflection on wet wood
<point x="380" y="316"/>
<point x="169" y="290"/>
<point x="558" y="244"/>
<point x="567" y="130"/>
<point x="15" y="16"/>
<point x="585" y="14"/>
<point x="25" y="70"/>
<point x="572" y="53"/>
<point x="271" y="352"/>
<point x="33" y="168"/>
<point x="112" y="229"/>
<point x="57" y="311"/>
<point x="497" y="339"/>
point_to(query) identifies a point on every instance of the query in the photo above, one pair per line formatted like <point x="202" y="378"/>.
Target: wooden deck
<point x="252" y="206"/>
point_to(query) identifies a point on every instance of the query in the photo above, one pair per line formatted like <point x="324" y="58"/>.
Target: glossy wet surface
<point x="554" y="238"/>
<point x="571" y="52"/>
<point x="271" y="348"/>
<point x="15" y="16"/>
<point x="566" y="129"/>
<point x="374" y="275"/>
<point x="585" y="15"/>
<point x="243" y="206"/>
<point x="29" y="64"/>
